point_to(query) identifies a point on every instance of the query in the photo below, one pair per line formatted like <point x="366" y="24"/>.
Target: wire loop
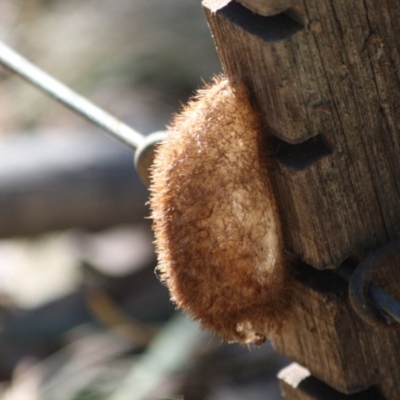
<point x="369" y="301"/>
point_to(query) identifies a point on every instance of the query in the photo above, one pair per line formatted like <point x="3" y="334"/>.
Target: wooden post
<point x="325" y="75"/>
<point x="298" y="383"/>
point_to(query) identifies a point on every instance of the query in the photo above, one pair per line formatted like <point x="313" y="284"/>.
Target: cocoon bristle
<point x="216" y="223"/>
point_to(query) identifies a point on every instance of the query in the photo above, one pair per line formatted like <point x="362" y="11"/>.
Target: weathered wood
<point x="327" y="85"/>
<point x="267" y="7"/>
<point x="329" y="338"/>
<point x="328" y="93"/>
<point x="67" y="181"/>
<point x="291" y="378"/>
<point x="297" y="383"/>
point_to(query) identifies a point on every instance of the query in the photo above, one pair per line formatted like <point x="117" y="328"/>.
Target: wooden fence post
<point x="325" y="75"/>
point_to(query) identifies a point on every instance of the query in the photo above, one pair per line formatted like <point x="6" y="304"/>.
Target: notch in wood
<point x="268" y="28"/>
<point x="300" y="156"/>
<point x="268" y="7"/>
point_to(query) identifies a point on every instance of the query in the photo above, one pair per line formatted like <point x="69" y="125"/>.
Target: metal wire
<point x="368" y="299"/>
<point x="385" y="302"/>
<point x="125" y="134"/>
<point x="379" y="297"/>
<point x="117" y="129"/>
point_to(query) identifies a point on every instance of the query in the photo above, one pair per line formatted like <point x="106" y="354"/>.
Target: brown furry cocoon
<point x="216" y="223"/>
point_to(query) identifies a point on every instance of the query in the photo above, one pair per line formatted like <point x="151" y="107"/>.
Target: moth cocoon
<point x="216" y="222"/>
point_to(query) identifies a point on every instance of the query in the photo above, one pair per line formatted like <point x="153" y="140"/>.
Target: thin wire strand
<point x="381" y="298"/>
<point x="120" y="131"/>
<point x="385" y="302"/>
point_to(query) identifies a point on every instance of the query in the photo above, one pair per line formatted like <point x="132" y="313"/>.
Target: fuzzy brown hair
<point x="216" y="223"/>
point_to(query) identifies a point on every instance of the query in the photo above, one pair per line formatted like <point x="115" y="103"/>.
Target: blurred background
<point x="82" y="314"/>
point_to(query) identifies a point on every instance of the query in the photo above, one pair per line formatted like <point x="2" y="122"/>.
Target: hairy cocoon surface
<point x="216" y="222"/>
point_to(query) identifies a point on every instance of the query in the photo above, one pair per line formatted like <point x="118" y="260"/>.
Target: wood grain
<point x="335" y="80"/>
<point x="327" y="85"/>
<point x="297" y="383"/>
<point x="267" y="7"/>
<point x="327" y="337"/>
